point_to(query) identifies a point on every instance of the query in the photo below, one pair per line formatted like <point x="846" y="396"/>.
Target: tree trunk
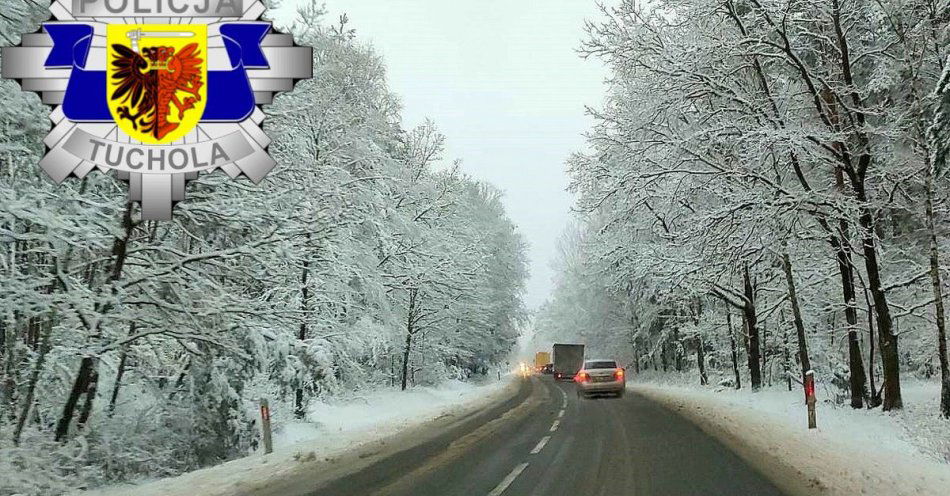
<point x="3" y="343"/>
<point x="938" y="301"/>
<point x="88" y="374"/>
<point x="79" y="387"/>
<point x="856" y="369"/>
<point x="677" y="351"/>
<point x="123" y="359"/>
<point x="857" y="174"/>
<point x="636" y="360"/>
<point x="796" y="315"/>
<point x="733" y="346"/>
<point x="405" y="361"/>
<point x="410" y="330"/>
<point x="842" y="249"/>
<point x="31" y="386"/>
<point x="701" y="362"/>
<point x="7" y="381"/>
<point x="91" y="390"/>
<point x="890" y="358"/>
<point x="750" y="318"/>
<point x="764" y="346"/>
<point x="119" y="374"/>
<point x="302" y="332"/>
<point x="785" y="361"/>
<point x="179" y="381"/>
<point x="3" y="353"/>
<point x="745" y="337"/>
<point x="875" y="398"/>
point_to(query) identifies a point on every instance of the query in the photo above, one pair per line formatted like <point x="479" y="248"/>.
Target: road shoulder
<point x="299" y="469"/>
<point x="802" y="462"/>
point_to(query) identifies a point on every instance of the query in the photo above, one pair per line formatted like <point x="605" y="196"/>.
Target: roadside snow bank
<point x="376" y="422"/>
<point x="378" y="413"/>
<point x="852" y="452"/>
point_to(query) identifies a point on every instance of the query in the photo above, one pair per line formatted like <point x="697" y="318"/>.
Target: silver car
<point x="600" y="377"/>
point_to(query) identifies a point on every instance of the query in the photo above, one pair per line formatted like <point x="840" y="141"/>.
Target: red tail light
<point x="619" y="374"/>
<point x="582" y="377"/>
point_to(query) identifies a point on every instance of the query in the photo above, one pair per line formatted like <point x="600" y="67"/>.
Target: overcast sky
<point x="502" y="80"/>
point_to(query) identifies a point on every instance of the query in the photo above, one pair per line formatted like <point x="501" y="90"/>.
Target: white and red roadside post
<point x="810" y="398"/>
<point x="265" y="424"/>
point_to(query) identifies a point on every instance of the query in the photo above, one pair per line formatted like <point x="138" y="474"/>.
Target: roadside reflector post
<point x="265" y="424"/>
<point x="810" y="398"/>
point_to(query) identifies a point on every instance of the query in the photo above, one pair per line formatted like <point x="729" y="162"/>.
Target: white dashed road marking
<point x="540" y="446"/>
<point x="500" y="488"/>
<point x="510" y="478"/>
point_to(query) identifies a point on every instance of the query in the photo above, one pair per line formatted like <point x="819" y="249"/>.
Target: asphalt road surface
<point x="565" y="446"/>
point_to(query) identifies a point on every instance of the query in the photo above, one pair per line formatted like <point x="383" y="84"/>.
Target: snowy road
<point x="563" y="446"/>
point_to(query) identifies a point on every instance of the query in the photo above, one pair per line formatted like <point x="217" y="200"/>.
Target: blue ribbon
<point x="230" y="98"/>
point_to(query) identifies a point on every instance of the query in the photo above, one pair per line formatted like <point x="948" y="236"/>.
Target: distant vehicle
<point x="547" y="369"/>
<point x="601" y="377"/>
<point x="541" y="359"/>
<point x="568" y="359"/>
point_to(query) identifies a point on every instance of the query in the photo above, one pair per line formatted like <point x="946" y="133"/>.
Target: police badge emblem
<point x="157" y="90"/>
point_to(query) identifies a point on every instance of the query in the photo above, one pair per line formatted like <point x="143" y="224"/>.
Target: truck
<point x="568" y="359"/>
<point x="541" y="359"/>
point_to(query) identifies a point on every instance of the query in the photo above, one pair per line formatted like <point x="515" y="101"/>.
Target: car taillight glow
<point x="619" y="373"/>
<point x="582" y="377"/>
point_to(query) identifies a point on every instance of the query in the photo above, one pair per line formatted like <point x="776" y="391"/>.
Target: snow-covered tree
<point x="769" y="160"/>
<point x="133" y="348"/>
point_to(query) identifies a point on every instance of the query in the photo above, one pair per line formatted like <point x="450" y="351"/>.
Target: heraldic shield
<point x="156" y="81"/>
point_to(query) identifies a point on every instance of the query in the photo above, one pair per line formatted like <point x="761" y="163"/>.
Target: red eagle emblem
<point x="147" y="85"/>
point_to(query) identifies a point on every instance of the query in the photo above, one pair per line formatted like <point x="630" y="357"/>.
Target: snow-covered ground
<point x="916" y="430"/>
<point x="851" y="452"/>
<point x="378" y="413"/>
<point x="333" y="432"/>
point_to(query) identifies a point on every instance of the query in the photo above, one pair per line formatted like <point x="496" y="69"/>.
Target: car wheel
<point x="620" y="393"/>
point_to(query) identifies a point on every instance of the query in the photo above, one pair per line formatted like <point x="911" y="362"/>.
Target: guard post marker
<point x="810" y="398"/>
<point x="265" y="424"/>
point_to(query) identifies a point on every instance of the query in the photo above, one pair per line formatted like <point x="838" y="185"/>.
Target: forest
<point x="139" y="349"/>
<point x="765" y="194"/>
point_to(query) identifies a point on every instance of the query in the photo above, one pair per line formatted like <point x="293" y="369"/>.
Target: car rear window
<point x="600" y="364"/>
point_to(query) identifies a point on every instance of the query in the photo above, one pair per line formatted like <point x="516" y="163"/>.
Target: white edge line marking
<point x="560" y="413"/>
<point x="555" y="425"/>
<point x="537" y="449"/>
<point x="500" y="488"/>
